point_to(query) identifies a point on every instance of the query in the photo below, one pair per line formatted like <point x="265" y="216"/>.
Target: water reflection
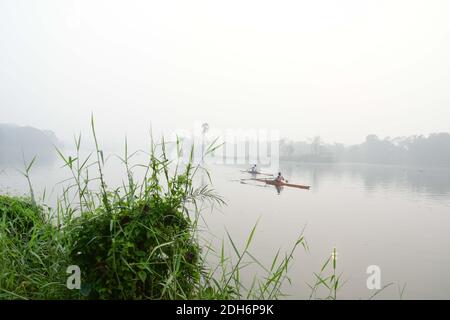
<point x="279" y="189"/>
<point x="431" y="182"/>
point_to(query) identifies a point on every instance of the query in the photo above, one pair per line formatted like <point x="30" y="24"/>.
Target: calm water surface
<point x="397" y="218"/>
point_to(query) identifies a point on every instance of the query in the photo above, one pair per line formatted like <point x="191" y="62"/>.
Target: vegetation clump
<point x="141" y="249"/>
<point x="32" y="259"/>
<point x="19" y="216"/>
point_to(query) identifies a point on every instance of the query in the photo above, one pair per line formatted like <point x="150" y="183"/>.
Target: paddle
<point x="255" y="173"/>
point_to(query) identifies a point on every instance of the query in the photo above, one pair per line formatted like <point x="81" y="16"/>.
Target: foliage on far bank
<point x="418" y="150"/>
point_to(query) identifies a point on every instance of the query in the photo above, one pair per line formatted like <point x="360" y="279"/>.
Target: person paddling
<point x="279" y="178"/>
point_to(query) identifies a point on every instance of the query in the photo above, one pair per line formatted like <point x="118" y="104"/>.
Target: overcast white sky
<point x="339" y="68"/>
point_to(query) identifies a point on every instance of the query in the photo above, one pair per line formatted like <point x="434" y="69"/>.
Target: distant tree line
<point x="431" y="150"/>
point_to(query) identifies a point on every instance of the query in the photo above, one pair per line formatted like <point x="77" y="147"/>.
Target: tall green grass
<point x="33" y="259"/>
<point x="140" y="240"/>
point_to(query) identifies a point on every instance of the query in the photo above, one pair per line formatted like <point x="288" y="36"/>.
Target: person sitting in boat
<point x="280" y="178"/>
<point x="254" y="169"/>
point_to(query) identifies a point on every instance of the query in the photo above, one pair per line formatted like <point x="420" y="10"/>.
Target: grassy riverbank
<point x="137" y="241"/>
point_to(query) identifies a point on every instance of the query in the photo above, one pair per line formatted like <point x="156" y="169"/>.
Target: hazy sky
<point x="342" y="69"/>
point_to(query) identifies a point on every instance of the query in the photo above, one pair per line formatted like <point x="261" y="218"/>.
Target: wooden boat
<point x="257" y="172"/>
<point x="282" y="184"/>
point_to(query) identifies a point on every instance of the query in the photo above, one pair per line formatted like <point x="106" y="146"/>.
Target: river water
<point x="397" y="218"/>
